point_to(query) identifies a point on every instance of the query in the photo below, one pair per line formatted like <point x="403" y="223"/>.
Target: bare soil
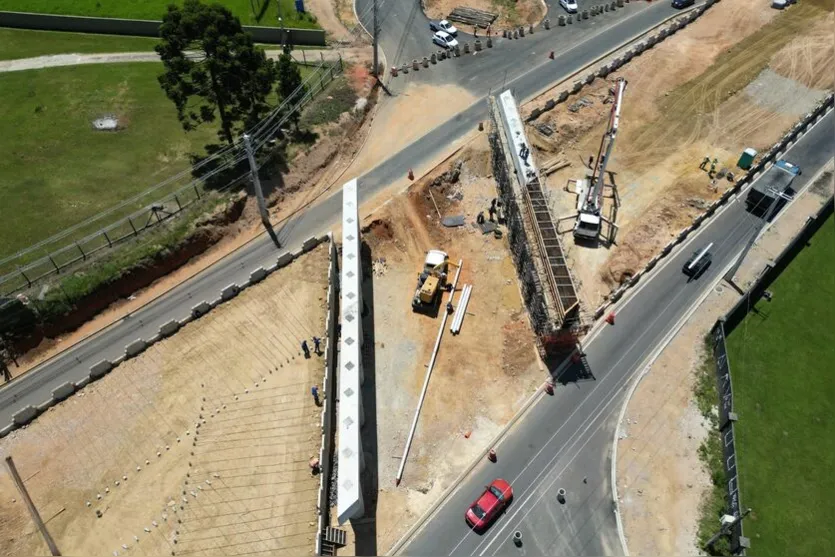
<point x="511" y="13"/>
<point x="686" y="99"/>
<point x="661" y="480"/>
<point x="326" y="16"/>
<point x="198" y="446"/>
<point x="455" y="424"/>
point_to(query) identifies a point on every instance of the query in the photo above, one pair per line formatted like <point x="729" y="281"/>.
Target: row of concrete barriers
<point x="28" y="413"/>
<point x="516" y="33"/>
<point x="776" y="151"/>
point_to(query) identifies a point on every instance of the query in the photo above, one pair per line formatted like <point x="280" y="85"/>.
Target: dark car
<point x="698" y="262"/>
<point x="683" y="3"/>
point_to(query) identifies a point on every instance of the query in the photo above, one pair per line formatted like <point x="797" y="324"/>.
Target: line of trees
<point x="214" y="71"/>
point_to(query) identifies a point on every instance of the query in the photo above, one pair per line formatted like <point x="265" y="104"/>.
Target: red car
<point x="491" y="503"/>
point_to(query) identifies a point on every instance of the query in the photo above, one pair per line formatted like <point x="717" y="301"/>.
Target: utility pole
<point x="36" y="517"/>
<point x="375" y="34"/>
<point x="772" y="207"/>
<point x="256" y="182"/>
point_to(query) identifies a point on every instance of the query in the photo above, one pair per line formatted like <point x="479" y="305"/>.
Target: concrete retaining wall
<point x="329" y="391"/>
<point x="146" y="28"/>
<point x="102" y="368"/>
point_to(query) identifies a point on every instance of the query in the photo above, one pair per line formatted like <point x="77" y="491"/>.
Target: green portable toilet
<point x="747" y="158"/>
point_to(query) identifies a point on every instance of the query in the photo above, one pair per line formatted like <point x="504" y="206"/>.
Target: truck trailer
<point x="773" y="187"/>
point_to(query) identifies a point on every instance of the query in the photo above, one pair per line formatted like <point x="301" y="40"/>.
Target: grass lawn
<point x="23" y="43"/>
<point x="57" y="170"/>
<point x="782" y="368"/>
<point x="250" y="12"/>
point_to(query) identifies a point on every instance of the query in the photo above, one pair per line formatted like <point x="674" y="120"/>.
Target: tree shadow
<point x="365" y="529"/>
<point x="259" y="12"/>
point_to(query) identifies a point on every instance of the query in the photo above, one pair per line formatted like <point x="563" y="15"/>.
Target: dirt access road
<point x="737" y="77"/>
<point x="482" y="376"/>
<point x="200" y="446"/>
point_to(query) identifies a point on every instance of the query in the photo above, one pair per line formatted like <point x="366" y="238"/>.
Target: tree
<point x="212" y="68"/>
<point x="289" y="79"/>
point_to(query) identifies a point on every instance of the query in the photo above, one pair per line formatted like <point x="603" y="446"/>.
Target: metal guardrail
<point x="26" y="268"/>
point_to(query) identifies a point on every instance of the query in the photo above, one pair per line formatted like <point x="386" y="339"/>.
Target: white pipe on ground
<point x="428" y="375"/>
<point x="461" y="310"/>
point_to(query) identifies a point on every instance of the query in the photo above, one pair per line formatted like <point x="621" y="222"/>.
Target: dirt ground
<point x="729" y="81"/>
<point x="661" y="480"/>
<point x="313" y="172"/>
<point x="326" y="12"/>
<point x="519" y="12"/>
<point x="454" y="424"/>
<point x="198" y="446"/>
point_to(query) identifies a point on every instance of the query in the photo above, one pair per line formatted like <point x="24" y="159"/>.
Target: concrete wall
<point x="329" y="390"/>
<point x="102" y="368"/>
<point x="146" y="28"/>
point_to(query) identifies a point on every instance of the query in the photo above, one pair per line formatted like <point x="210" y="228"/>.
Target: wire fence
<point x="221" y="171"/>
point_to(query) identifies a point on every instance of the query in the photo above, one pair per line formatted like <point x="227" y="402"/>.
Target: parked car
<point x="683" y="3"/>
<point x="444" y="39"/>
<point x="569" y="5"/>
<point x="486" y="508"/>
<point x="444" y="26"/>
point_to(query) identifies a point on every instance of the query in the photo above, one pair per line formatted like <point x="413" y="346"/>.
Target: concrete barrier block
<point x="561" y="20"/>
<point x="229" y="292"/>
<point x="535" y="113"/>
<point x="577" y="86"/>
<point x="639" y="47"/>
<point x="603" y="71"/>
<point x="81" y="383"/>
<point x="100" y="369"/>
<point x="7" y="430"/>
<point x="550" y="104"/>
<point x="562" y="96"/>
<point x="257" y="275"/>
<point x="62" y="391"/>
<point x="615" y="63"/>
<point x="590" y="78"/>
<point x="311" y="243"/>
<point x="24" y="415"/>
<point x="168" y="329"/>
<point x="135" y="347"/>
<point x="201" y="309"/>
<point x="45" y="405"/>
<point x="285" y="260"/>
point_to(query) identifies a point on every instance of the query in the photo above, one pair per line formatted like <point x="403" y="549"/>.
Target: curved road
<point x="564" y="441"/>
<point x="577" y="46"/>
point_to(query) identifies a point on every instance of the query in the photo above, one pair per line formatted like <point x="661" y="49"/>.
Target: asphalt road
<point x="587" y="45"/>
<point x="567" y="438"/>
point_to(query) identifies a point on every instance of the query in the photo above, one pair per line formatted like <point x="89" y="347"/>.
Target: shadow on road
<point x="571" y="368"/>
<point x="365" y="529"/>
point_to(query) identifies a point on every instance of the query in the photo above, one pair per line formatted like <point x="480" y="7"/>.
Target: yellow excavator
<point x="431" y="281"/>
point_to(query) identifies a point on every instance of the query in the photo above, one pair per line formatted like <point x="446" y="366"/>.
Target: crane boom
<point x="595" y="193"/>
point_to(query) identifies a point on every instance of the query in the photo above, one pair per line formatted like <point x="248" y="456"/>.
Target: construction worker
<point x="316" y="341"/>
<point x="492" y="212"/>
<point x="488" y="31"/>
<point x="480" y="218"/>
<point x="591" y="161"/>
<point x="315" y="392"/>
<point x="703" y="166"/>
<point x="475" y="31"/>
<point x="713" y="165"/>
<point x="306" y="350"/>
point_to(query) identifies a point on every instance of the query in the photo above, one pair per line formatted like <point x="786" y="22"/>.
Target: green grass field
<point x="57" y="170"/>
<point x="250" y="12"/>
<point x="782" y="364"/>
<point x="23" y="43"/>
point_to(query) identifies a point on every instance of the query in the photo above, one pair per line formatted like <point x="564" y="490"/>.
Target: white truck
<point x="773" y="187"/>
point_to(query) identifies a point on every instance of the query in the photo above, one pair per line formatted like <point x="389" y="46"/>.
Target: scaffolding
<point x="546" y="283"/>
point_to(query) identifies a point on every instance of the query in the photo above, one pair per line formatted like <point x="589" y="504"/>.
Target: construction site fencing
<point x="763" y="163"/>
<point x="532" y="293"/>
<point x="725" y="326"/>
<point x="188" y="189"/>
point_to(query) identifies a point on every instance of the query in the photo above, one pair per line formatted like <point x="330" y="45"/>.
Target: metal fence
<point x="80" y="242"/>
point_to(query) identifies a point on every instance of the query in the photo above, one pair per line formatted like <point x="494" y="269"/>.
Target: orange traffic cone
<point x="610" y="319"/>
<point x="491" y="456"/>
<point x="411" y="174"/>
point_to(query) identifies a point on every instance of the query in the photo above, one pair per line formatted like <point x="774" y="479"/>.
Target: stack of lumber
<point x="472" y="16"/>
<point x="551" y="166"/>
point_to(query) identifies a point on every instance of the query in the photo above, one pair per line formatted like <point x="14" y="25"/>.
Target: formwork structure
<point x="547" y="286"/>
